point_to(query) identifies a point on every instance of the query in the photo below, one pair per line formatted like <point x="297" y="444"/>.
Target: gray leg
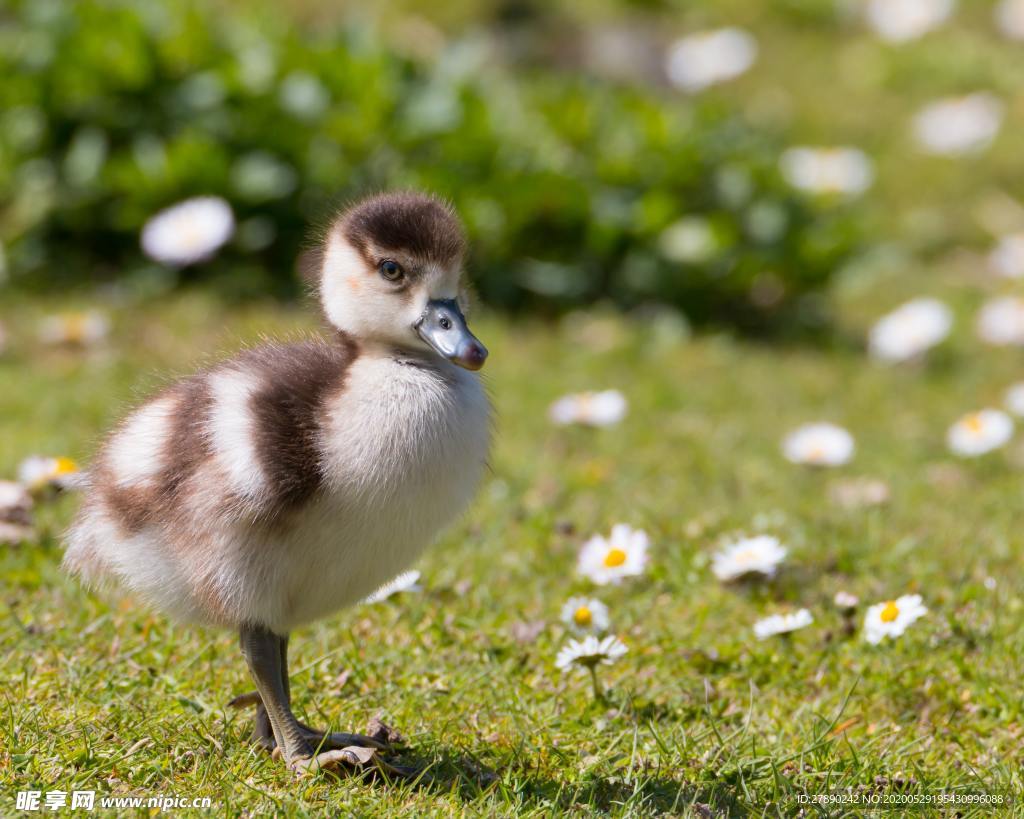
<point x="263" y="651"/>
<point x="267" y="656"/>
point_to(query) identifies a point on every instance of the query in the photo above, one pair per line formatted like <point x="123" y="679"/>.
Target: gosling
<point x="283" y="484"/>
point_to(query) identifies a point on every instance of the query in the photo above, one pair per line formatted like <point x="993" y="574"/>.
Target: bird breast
<point x="406" y="438"/>
<point x="403" y="450"/>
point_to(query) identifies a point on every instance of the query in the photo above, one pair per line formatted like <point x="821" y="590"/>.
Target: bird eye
<point x="391" y="270"/>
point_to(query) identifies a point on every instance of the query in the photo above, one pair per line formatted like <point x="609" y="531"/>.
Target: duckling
<point x="283" y="484"/>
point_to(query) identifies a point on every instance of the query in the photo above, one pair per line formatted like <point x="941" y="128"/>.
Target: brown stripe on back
<point x="133" y="507"/>
<point x="184" y="447"/>
<point x="187" y="443"/>
<point x="287" y="410"/>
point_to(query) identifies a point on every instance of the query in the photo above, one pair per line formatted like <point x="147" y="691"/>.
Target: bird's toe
<point x="354" y="758"/>
<point x="336" y="739"/>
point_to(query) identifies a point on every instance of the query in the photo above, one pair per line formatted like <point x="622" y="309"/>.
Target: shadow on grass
<point x="465" y="777"/>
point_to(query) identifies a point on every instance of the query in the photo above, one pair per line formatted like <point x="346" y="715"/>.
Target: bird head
<point x="390" y="273"/>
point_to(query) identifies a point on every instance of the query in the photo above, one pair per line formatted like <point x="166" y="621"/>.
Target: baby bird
<point x="294" y="479"/>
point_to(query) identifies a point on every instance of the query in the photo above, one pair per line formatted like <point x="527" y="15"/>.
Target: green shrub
<point x="573" y="190"/>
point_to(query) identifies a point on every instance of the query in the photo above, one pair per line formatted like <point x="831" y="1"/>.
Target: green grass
<point x="100" y="694"/>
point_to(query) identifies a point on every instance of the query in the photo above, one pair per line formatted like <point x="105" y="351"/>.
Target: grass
<point x="101" y="694"/>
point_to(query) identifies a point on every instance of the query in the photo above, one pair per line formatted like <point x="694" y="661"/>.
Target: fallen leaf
<point x="843" y="726"/>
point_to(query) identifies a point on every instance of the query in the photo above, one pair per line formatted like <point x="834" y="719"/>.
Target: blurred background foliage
<point x="583" y="175"/>
<point x="576" y="185"/>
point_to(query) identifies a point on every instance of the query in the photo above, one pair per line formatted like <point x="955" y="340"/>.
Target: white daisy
<point x="890" y="619"/>
<point x="1009" y="15"/>
<point x="39" y="471"/>
<point x="15" y="503"/>
<point x="782" y="623"/>
<point x="844" y="601"/>
<point x="14" y="533"/>
<point x="585" y="614"/>
<point x="589" y="652"/>
<point x="980" y="432"/>
<point x="959" y="125"/>
<point x="859" y="493"/>
<point x="594" y="409"/>
<point x="753" y="555"/>
<point x="75" y="329"/>
<point x="1014" y="399"/>
<point x="820" y="444"/>
<point x="1007" y="257"/>
<point x="845" y="171"/>
<point x="707" y="58"/>
<point x="1001" y="322"/>
<point x="405" y="582"/>
<point x="901" y="20"/>
<point x="624" y="554"/>
<point x="188" y="232"/>
<point x="910" y="330"/>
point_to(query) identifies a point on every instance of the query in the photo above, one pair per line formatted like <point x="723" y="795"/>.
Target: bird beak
<point x="443" y="327"/>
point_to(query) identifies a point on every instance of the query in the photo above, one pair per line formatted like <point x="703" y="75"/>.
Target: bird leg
<point x="267" y="656"/>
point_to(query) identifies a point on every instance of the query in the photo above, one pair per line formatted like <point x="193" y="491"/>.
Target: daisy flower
<point x="1014" y="399"/>
<point x="39" y="471"/>
<point x="910" y="330"/>
<point x="845" y="171"/>
<point x="782" y="624"/>
<point x="405" y="582"/>
<point x="890" y="619"/>
<point x="859" y="493"/>
<point x="844" y="601"/>
<point x="901" y="20"/>
<point x="818" y="444"/>
<point x="980" y="432"/>
<point x="1001" y="322"/>
<point x="585" y="614"/>
<point x="590" y="651"/>
<point x="1007" y="257"/>
<point x="15" y="503"/>
<point x="74" y="329"/>
<point x="594" y="409"/>
<point x="1009" y="15"/>
<point x="588" y="654"/>
<point x="188" y="232"/>
<point x="15" y="512"/>
<point x="753" y="555"/>
<point x="624" y="554"/>
<point x="959" y="125"/>
<point x="12" y="534"/>
<point x="698" y="61"/>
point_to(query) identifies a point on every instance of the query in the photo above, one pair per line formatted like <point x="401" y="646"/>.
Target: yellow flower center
<point x="974" y="423"/>
<point x="64" y="466"/>
<point x="745" y="557"/>
<point x="615" y="557"/>
<point x="890" y="612"/>
<point x="582" y="616"/>
<point x="74" y="326"/>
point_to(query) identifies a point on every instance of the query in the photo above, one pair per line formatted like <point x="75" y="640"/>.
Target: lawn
<point x="100" y="694"/>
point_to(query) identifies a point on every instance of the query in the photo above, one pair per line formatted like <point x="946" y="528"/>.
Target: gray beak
<point x="443" y="327"/>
